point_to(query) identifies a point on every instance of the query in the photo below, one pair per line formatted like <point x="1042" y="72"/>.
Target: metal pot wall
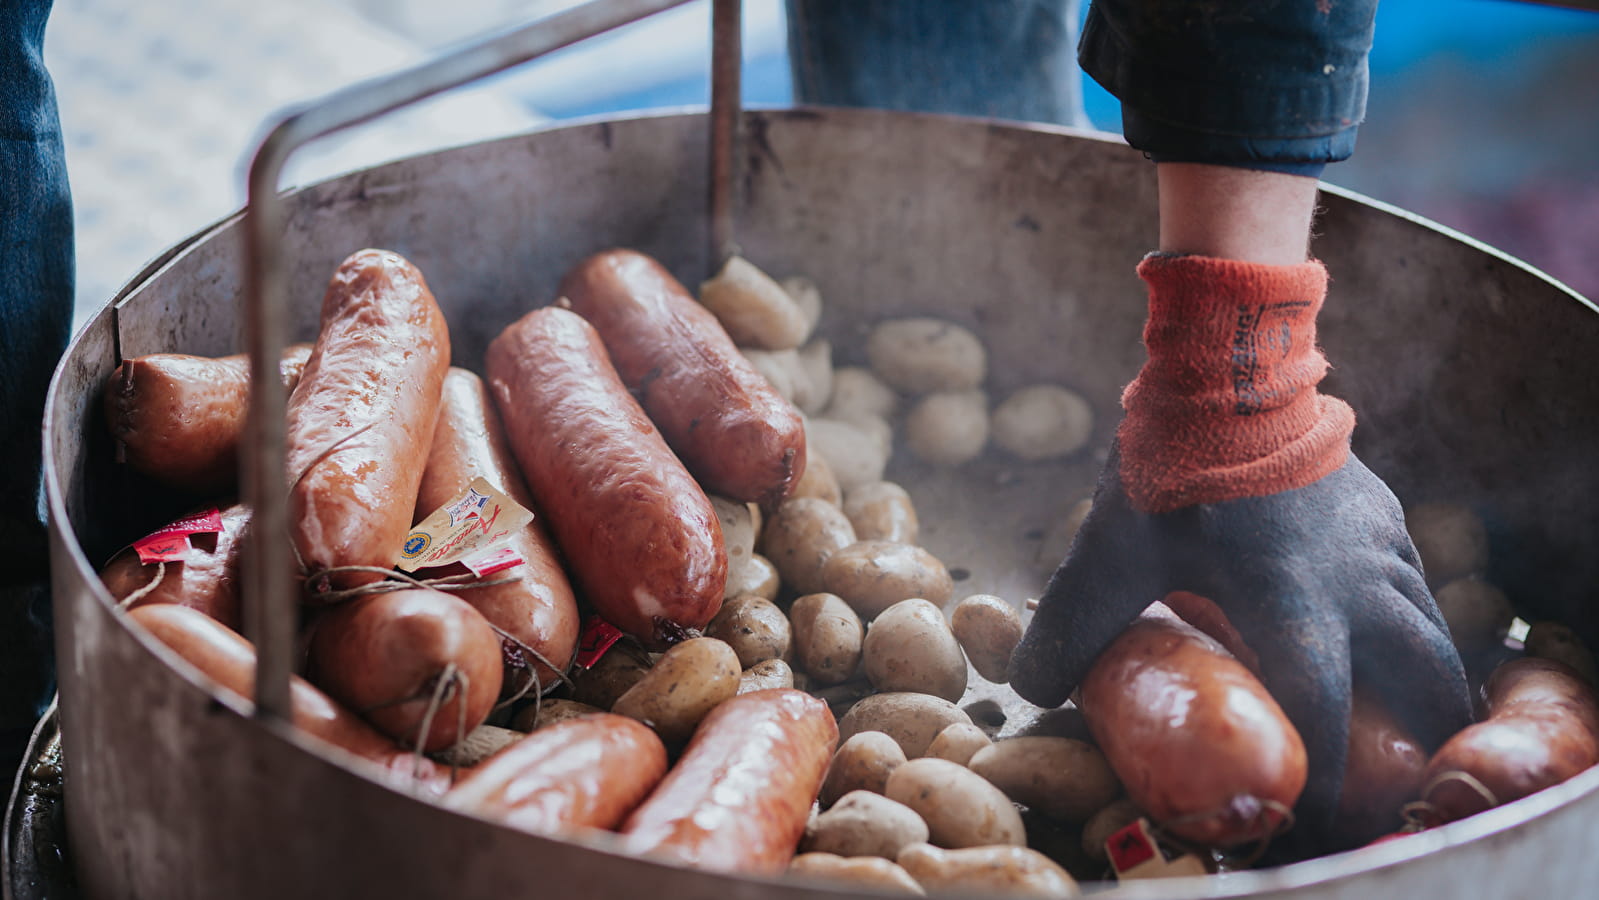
<point x="1474" y="377"/>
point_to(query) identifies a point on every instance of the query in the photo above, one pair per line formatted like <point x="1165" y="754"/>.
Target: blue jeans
<point x="1268" y="84"/>
<point x="35" y="315"/>
<point x="1008" y="59"/>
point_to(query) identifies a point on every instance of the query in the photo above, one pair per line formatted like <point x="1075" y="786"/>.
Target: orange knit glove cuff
<point x="1226" y="407"/>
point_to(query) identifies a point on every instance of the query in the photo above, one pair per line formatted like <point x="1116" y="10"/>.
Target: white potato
<point x="911" y="719"/>
<point x="987" y="871"/>
<point x="754" y="309"/>
<point x="800" y="537"/>
<point x="1451" y="539"/>
<point x="882" y="511"/>
<point x="874" y="872"/>
<point x="861" y="763"/>
<point x="961" y="808"/>
<point x="948" y="428"/>
<point x="958" y="743"/>
<point x="919" y="355"/>
<point x="988" y="629"/>
<point x="909" y="647"/>
<point x="1043" y="421"/>
<point x="754" y="627"/>
<point x="855" y="454"/>
<point x="828" y="636"/>
<point x="865" y="823"/>
<point x="814" y="384"/>
<point x="780" y="368"/>
<point x="738" y="536"/>
<point x="871" y="576"/>
<point x="1055" y="776"/>
<point x="807" y="296"/>
<point x="858" y="392"/>
<point x="685" y="684"/>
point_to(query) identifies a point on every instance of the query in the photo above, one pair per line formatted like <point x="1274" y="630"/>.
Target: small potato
<point x="857" y="392"/>
<point x="862" y="763"/>
<point x="548" y="711"/>
<point x="1006" y="871"/>
<point x="1056" y="777"/>
<point x="827" y="637"/>
<point x="958" y="743"/>
<point x="754" y="309"/>
<point x="909" y="647"/>
<point x="1101" y="825"/>
<point x="864" y="823"/>
<point x="818" y="481"/>
<point x="815" y="384"/>
<point x="1452" y="540"/>
<point x="807" y="297"/>
<point x="612" y="676"/>
<point x="882" y="511"/>
<point x="872" y="872"/>
<point x="759" y="577"/>
<point x="1057" y="541"/>
<point x="948" y="428"/>
<point x="1043" y="421"/>
<point x="911" y="719"/>
<point x="780" y="368"/>
<point x="738" y="535"/>
<point x="799" y="538"/>
<point x="1477" y="613"/>
<point x="960" y="808"/>
<point x="687" y="682"/>
<point x="765" y="675"/>
<point x="1552" y="640"/>
<point x="754" y="627"/>
<point x="988" y="629"/>
<point x="871" y="576"/>
<point x="922" y="355"/>
<point x="479" y="744"/>
<point x="856" y="454"/>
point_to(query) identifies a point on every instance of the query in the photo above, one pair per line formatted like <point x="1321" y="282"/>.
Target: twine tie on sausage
<point x="452" y="677"/>
<point x="1422" y="814"/>
<point x="395" y="580"/>
<point x="141" y="593"/>
<point x="1266" y="805"/>
<point x="533" y="682"/>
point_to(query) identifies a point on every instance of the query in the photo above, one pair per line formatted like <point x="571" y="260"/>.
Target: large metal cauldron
<point x="1475" y="379"/>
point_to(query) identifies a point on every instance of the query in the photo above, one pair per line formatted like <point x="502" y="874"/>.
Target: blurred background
<point x="1484" y="114"/>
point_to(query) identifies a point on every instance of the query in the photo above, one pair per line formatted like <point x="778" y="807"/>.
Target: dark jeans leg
<point x="36" y="265"/>
<point x="1008" y="59"/>
<point x="1258" y="83"/>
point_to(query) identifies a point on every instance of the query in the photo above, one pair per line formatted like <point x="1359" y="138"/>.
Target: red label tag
<point x="1134" y="853"/>
<point x="170" y="543"/>
<point x="1130" y="847"/>
<point x="496" y="560"/>
<point x="597" y="637"/>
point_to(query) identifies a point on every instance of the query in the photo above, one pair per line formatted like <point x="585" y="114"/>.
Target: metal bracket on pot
<point x="268" y="589"/>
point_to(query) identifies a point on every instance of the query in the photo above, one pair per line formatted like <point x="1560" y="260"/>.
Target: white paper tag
<point x="471" y="525"/>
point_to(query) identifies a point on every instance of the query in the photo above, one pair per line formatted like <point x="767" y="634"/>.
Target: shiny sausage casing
<point x="1382" y="773"/>
<point x="738" y="798"/>
<point x="360" y="423"/>
<point x="587" y="772"/>
<point x="1541" y="728"/>
<point x="178" y="418"/>
<point x="1194" y="737"/>
<point x="229" y="660"/>
<point x="206" y="580"/>
<point x="385" y="654"/>
<point x="738" y="436"/>
<point x="640" y="537"/>
<point x="538" y="608"/>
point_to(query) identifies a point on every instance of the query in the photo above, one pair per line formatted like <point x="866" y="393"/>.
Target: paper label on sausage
<point x="497" y="559"/>
<point x="1135" y="853"/>
<point x="478" y="521"/>
<point x="170" y="543"/>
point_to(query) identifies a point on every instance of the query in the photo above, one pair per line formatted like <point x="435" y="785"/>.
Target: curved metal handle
<point x="268" y="590"/>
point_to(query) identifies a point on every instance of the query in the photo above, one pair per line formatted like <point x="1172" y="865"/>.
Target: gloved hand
<point x="1232" y="479"/>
